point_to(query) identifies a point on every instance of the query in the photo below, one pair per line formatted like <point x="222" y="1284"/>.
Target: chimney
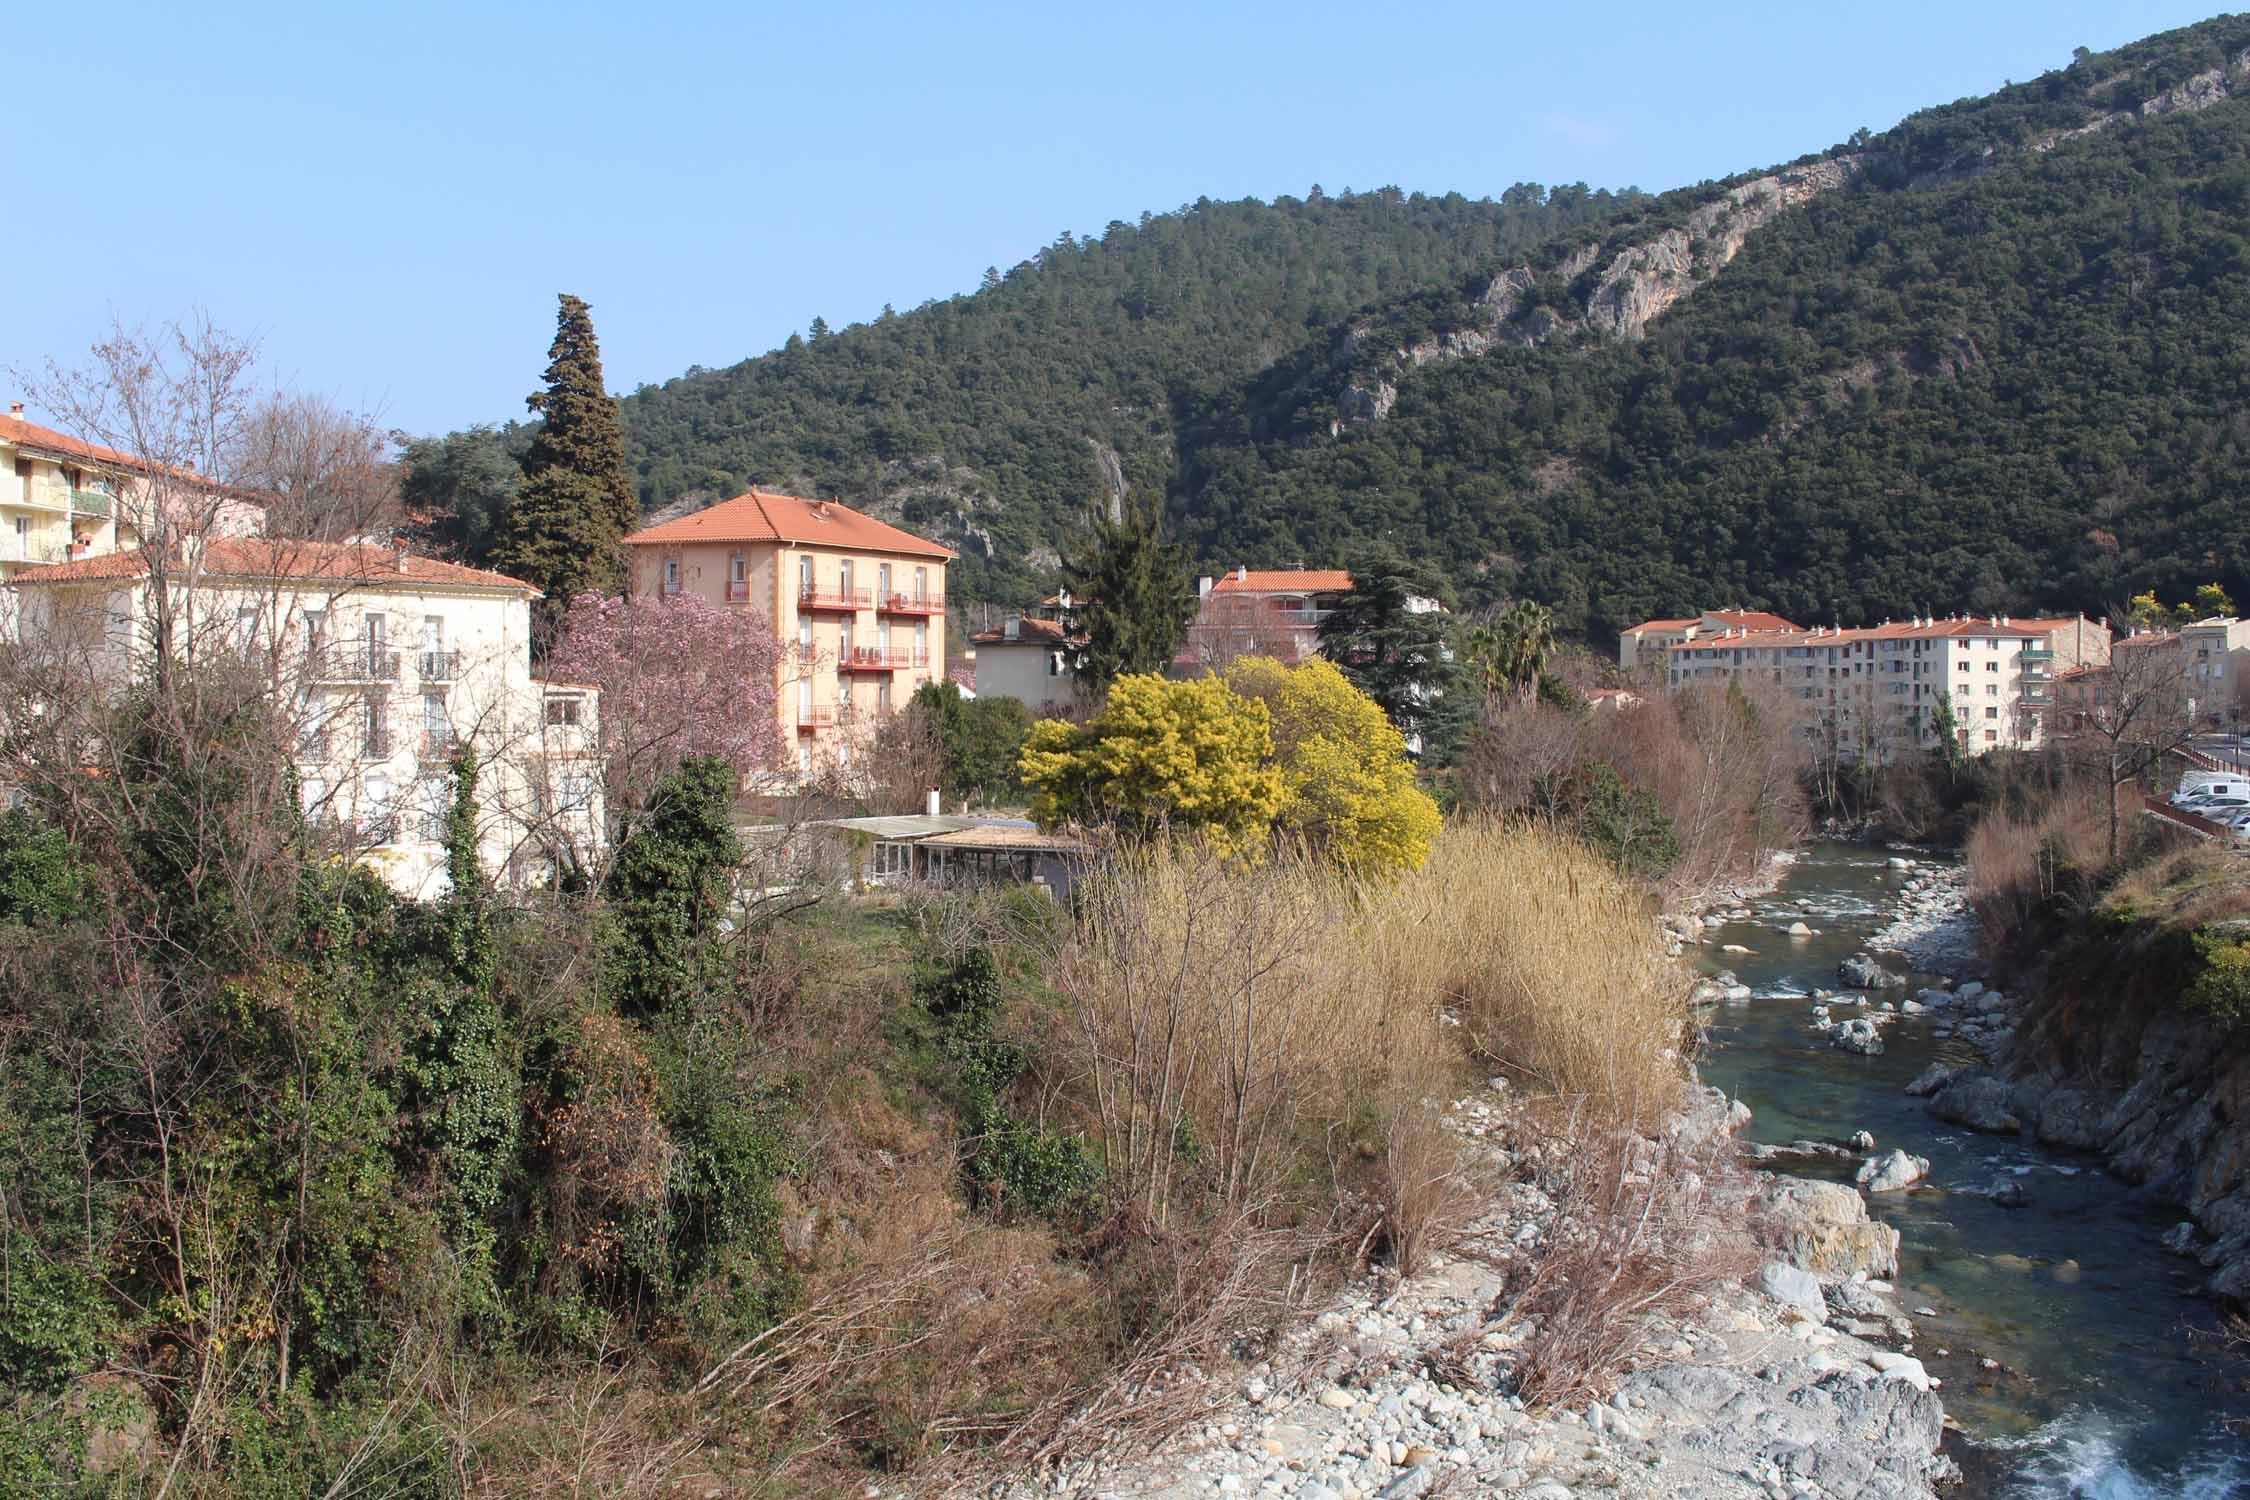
<point x="1011" y="628"/>
<point x="1203" y="588"/>
<point x="15" y="409"/>
<point x="401" y="559"/>
<point x="933" y="805"/>
<point x="1241" y="573"/>
<point x="1063" y="598"/>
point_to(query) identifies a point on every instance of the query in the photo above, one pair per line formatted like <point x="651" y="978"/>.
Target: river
<point x="2098" y="1393"/>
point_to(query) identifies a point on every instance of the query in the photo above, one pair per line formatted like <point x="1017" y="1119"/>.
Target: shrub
<point x="669" y="882"/>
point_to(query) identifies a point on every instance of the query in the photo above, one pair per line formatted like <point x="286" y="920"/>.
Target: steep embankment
<point x="2128" y="1039"/>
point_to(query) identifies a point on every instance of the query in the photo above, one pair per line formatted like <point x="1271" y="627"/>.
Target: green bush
<point x="1009" y="1164"/>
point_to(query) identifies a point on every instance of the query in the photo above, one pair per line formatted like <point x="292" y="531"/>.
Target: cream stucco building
<point x="1872" y="692"/>
<point x="383" y="661"/>
<point x="858" y="605"/>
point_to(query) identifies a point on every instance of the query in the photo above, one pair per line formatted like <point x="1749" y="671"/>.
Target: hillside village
<point x="1146" y="879"/>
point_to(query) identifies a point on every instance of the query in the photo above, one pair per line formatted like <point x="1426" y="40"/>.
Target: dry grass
<point x="2019" y="863"/>
<point x="1543" y="952"/>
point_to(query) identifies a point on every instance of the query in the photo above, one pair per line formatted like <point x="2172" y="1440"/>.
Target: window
<point x="804" y="700"/>
<point x="921" y="585"/>
<point x="375" y="736"/>
<point x="844" y="578"/>
<point x="804" y="575"/>
<point x="921" y="641"/>
<point x="882" y="582"/>
<point x="1991" y="736"/>
<point x="437" y="727"/>
<point x="843" y="643"/>
<point x="313" y="793"/>
<point x="312" y="741"/>
<point x="1054" y="664"/>
<point x="562" y="710"/>
<point x="577" y="789"/>
<point x="804" y="642"/>
<point x="1992" y="666"/>
<point x="246" y="626"/>
<point x="738" y="577"/>
<point x="882" y="695"/>
<point x="316" y="633"/>
<point x="1992" y="689"/>
<point x="375" y="808"/>
<point x="1992" y="713"/>
<point x="436" y="808"/>
<point x="671" y="575"/>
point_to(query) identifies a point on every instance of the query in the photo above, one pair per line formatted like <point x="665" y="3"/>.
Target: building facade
<point x="385" y="662"/>
<point x="1872" y="692"/>
<point x="1026" y="658"/>
<point x="62" y="499"/>
<point x="859" y="606"/>
<point x="1647" y="642"/>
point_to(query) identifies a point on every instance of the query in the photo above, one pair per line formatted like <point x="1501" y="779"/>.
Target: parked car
<point x="2206" y="807"/>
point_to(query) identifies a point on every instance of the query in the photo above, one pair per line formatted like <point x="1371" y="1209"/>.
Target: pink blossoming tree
<point x="679" y="676"/>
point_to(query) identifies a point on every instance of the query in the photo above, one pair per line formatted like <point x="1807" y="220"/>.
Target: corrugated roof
<point x="1009" y="837"/>
<point x="267" y="557"/>
<point x="760" y="516"/>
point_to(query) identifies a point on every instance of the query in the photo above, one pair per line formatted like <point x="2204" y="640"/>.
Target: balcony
<point x="881" y="659"/>
<point x="2035" y="653"/>
<point x="377" y="744"/>
<point x="847" y="600"/>
<point x="437" y="744"/>
<point x="738" y="590"/>
<point x="90" y="502"/>
<point x="2037" y="695"/>
<point x="351" y="663"/>
<point x="913" y="604"/>
<point x="810" y="719"/>
<point x="440" y="666"/>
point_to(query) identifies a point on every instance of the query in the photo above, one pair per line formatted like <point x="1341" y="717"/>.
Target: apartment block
<point x="70" y="499"/>
<point x="859" y="605"/>
<point x="1872" y="692"/>
<point x="1648" y="641"/>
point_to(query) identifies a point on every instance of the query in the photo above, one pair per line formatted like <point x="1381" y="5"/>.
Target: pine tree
<point x="562" y="530"/>
<point x="1401" y="656"/>
<point x="1137" y="593"/>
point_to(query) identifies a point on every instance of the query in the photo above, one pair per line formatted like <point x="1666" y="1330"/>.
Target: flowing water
<point x="2099" y="1393"/>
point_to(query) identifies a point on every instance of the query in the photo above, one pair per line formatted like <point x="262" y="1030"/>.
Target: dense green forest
<point x="2002" y="369"/>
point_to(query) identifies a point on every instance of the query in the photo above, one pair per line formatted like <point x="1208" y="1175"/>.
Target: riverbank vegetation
<point x="308" y="1189"/>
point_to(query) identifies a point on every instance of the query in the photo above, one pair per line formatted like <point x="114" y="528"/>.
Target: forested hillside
<point x="992" y="420"/>
<point x="1992" y="357"/>
<point x="1983" y="375"/>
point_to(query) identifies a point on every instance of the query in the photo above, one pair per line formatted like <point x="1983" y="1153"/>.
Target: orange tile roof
<point x="1752" y="619"/>
<point x="263" y="557"/>
<point x="1889" y="631"/>
<point x="1284" y="581"/>
<point x="14" y="429"/>
<point x="1039" y="632"/>
<point x="760" y="516"/>
<point x="1662" y="625"/>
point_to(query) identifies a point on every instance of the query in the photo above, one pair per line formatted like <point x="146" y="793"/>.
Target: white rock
<point x="1892" y="1171"/>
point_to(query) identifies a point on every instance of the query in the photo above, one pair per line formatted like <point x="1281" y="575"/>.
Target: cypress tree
<point x="563" y="527"/>
<point x="1137" y="592"/>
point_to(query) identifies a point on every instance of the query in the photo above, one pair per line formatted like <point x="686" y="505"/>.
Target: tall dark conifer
<point x="562" y="531"/>
<point x="1137" y="595"/>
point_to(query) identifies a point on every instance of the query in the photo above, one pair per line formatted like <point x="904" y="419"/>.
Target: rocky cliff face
<point x="1635" y="287"/>
<point x="1641" y="281"/>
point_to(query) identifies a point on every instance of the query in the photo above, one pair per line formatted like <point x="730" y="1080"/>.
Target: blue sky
<point x="390" y="199"/>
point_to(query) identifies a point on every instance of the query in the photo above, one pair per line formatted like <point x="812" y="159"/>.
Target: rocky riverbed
<point x="1799" y="1382"/>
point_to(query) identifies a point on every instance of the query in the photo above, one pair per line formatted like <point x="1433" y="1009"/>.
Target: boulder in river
<point x="1863" y="973"/>
<point x="1978" y="1100"/>
<point x="1930" y="1079"/>
<point x="1893" y="1171"/>
<point x="1857" y="1035"/>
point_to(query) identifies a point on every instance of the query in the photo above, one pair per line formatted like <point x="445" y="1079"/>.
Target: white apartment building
<point x="385" y="660"/>
<point x="1875" y="691"/>
<point x="1648" y="641"/>
<point x="1026" y="658"/>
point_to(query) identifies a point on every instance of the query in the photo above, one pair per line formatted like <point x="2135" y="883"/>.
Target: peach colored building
<point x="71" y="499"/>
<point x="861" y="602"/>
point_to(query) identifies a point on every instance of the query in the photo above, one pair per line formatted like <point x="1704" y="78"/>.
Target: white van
<point x="2197" y="785"/>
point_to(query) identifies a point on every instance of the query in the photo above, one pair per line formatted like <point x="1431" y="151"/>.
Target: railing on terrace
<point x="815" y="718"/>
<point x="820" y="598"/>
<point x="90" y="502"/>
<point x="2036" y="653"/>
<point x="738" y="589"/>
<point x="881" y="659"/>
<point x="351" y="662"/>
<point x="377" y="744"/>
<point x="913" y="604"/>
<point x="440" y="666"/>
